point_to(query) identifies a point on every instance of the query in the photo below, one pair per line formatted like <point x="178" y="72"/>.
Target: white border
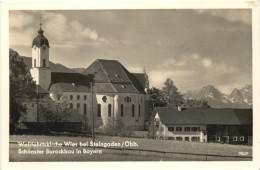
<point x="145" y="4"/>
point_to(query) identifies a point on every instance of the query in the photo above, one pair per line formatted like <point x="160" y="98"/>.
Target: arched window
<point x="99" y="110"/>
<point x="133" y="110"/>
<point x="71" y="97"/>
<point x="78" y="106"/>
<point x="109" y="110"/>
<point x="78" y="97"/>
<point x="71" y="106"/>
<point x="139" y="110"/>
<point x="141" y="99"/>
<point x="44" y="63"/>
<point x="85" y="97"/>
<point x="128" y="99"/>
<point x="85" y="108"/>
<point x="122" y="110"/>
<point x="34" y="62"/>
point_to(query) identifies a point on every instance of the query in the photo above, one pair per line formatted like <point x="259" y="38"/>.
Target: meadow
<point x="122" y="153"/>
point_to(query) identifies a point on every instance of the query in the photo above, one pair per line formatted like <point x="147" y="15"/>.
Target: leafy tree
<point x="170" y="96"/>
<point x="196" y="103"/>
<point x="55" y="109"/>
<point x="118" y="128"/>
<point x="22" y="87"/>
<point x="171" y="93"/>
<point x="157" y="97"/>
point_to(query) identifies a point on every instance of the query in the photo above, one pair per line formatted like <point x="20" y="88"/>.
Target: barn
<point x="202" y="125"/>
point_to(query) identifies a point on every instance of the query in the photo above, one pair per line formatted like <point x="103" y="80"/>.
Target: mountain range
<point x="238" y="98"/>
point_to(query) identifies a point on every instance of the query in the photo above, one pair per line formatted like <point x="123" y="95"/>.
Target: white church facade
<point x="105" y="90"/>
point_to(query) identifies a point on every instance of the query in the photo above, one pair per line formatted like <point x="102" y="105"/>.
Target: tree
<point x="196" y="103"/>
<point x="157" y="97"/>
<point x="118" y="128"/>
<point x="56" y="109"/>
<point x="171" y="94"/>
<point x="22" y="87"/>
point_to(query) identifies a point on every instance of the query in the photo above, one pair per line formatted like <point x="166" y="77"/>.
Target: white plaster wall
<point x="39" y="54"/>
<point x="165" y="133"/>
<point x="112" y="99"/>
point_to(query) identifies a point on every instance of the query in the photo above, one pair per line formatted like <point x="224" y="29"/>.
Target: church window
<point x="139" y="110"/>
<point x="133" y="110"/>
<point x="85" y="109"/>
<point x="128" y="99"/>
<point x="109" y="110"/>
<point x="78" y="97"/>
<point x="34" y="62"/>
<point x="44" y="63"/>
<point x="71" y="106"/>
<point x="78" y="106"/>
<point x="141" y="99"/>
<point x="104" y="98"/>
<point x="71" y="97"/>
<point x="85" y="97"/>
<point x="99" y="110"/>
<point x="122" y="110"/>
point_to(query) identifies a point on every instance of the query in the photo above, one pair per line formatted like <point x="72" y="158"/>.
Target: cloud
<point x="206" y="62"/>
<point x="195" y="56"/>
<point x="231" y="15"/>
<point x="19" y="19"/>
<point x="24" y="38"/>
<point x="60" y="31"/>
<point x="158" y="77"/>
<point x="196" y="68"/>
<point x="171" y="63"/>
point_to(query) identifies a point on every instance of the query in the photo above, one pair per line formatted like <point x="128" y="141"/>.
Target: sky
<point x="194" y="48"/>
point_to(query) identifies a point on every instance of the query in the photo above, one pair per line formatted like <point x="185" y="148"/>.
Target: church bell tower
<point x="40" y="70"/>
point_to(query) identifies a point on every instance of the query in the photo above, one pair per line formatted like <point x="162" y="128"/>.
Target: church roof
<point x="171" y="116"/>
<point x="107" y="76"/>
<point x="40" y="39"/>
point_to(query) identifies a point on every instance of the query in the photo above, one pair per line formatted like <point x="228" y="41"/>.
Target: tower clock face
<point x="44" y="47"/>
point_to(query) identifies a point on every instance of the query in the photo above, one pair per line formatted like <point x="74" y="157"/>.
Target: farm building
<point x="203" y="125"/>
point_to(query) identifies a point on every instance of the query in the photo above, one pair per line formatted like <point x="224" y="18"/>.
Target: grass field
<point x="124" y="155"/>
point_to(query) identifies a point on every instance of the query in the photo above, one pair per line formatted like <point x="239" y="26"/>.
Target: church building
<point x="106" y="90"/>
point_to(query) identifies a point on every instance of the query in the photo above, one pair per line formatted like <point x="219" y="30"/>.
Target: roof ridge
<point x="122" y="67"/>
<point x="124" y="70"/>
<point x="104" y="70"/>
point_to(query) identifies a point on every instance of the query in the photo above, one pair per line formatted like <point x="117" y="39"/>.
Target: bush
<point x="117" y="128"/>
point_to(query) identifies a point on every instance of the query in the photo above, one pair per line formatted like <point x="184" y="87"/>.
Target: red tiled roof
<point x="171" y="116"/>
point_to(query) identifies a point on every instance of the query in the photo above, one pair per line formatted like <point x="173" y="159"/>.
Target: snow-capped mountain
<point x="238" y="98"/>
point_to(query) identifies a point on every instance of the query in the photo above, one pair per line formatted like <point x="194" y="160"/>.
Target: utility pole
<point x="37" y="109"/>
<point x="93" y="138"/>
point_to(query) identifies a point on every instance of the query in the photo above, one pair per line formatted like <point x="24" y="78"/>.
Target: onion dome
<point x="40" y="39"/>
